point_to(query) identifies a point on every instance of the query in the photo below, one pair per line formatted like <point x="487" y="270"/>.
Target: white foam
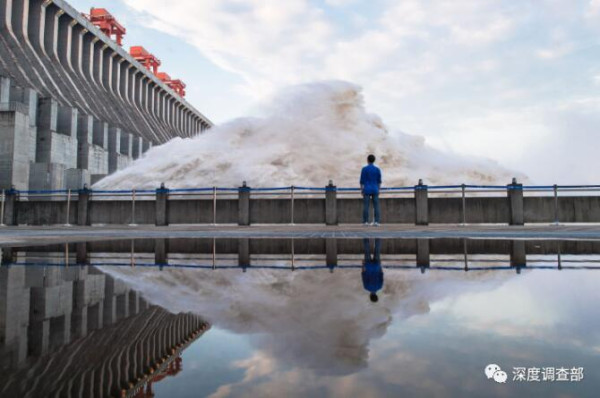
<point x="308" y="135"/>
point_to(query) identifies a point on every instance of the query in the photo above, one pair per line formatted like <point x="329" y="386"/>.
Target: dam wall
<point x="74" y="105"/>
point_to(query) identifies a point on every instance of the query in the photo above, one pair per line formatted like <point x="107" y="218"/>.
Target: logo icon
<point x="493" y="371"/>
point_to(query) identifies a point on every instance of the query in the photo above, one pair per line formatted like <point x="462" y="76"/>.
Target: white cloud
<point x="593" y="9"/>
<point x="459" y="71"/>
<point x="340" y="3"/>
<point x="278" y="43"/>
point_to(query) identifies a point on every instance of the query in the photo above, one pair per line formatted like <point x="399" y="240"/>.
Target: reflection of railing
<point x="459" y="210"/>
<point x="560" y="265"/>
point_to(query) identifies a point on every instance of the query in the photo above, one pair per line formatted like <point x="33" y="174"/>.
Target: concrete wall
<point x="47" y="146"/>
<point x="46" y="212"/>
<point x="120" y="212"/>
<point x="278" y="211"/>
<point x="570" y="209"/>
<point x="15" y="147"/>
<point x="491" y="210"/>
<point x="201" y="211"/>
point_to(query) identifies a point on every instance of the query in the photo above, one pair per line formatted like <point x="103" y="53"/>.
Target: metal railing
<point x="292" y="193"/>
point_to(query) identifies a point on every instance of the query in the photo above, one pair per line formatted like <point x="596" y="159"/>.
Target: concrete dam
<point x="74" y="105"/>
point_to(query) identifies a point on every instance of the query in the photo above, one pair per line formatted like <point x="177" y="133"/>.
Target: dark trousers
<point x="367" y="249"/>
<point x="366" y="204"/>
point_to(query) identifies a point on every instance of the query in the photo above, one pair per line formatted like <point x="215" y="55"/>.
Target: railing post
<point x="214" y="206"/>
<point x="556" y="214"/>
<point x="423" y="259"/>
<point x="66" y="255"/>
<point x="515" y="202"/>
<point x="162" y="197"/>
<point x="132" y="258"/>
<point x="161" y="251"/>
<point x="466" y="254"/>
<point x="464" y="204"/>
<point x="10" y="206"/>
<point x="421" y="204"/>
<point x="292" y="205"/>
<point x="82" y="257"/>
<point x="132" y="208"/>
<point x="3" y="199"/>
<point x="68" y="218"/>
<point x="83" y="203"/>
<point x="331" y="204"/>
<point x="518" y="256"/>
<point x="214" y="253"/>
<point x="244" y="252"/>
<point x="293" y="256"/>
<point x="244" y="204"/>
<point x="331" y="253"/>
<point x="9" y="256"/>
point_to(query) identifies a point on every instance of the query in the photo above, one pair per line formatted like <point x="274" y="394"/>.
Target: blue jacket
<point x="372" y="277"/>
<point x="370" y="178"/>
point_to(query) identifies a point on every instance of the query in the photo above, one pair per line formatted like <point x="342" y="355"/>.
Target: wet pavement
<point x="192" y="317"/>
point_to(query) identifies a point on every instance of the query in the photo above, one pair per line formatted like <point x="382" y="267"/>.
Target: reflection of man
<point x="372" y="273"/>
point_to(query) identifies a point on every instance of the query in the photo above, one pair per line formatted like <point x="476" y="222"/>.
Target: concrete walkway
<point x="54" y="234"/>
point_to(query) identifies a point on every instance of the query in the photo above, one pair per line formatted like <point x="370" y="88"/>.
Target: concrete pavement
<point x="23" y="235"/>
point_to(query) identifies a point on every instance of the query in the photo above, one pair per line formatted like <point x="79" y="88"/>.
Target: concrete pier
<point x="421" y="204"/>
<point x="331" y="213"/>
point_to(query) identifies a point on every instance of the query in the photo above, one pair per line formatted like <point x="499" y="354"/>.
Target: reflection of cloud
<point x="314" y="332"/>
<point x="523" y="306"/>
<point x="312" y="319"/>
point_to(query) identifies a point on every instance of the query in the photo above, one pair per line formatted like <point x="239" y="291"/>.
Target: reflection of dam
<point x="82" y="333"/>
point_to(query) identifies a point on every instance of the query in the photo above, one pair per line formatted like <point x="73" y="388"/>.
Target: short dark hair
<point x="371" y="158"/>
<point x="373" y="297"/>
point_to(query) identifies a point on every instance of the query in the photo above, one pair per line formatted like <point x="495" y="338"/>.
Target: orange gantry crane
<point x="175" y="84"/>
<point x="145" y="58"/>
<point x="104" y="20"/>
<point x="172" y="370"/>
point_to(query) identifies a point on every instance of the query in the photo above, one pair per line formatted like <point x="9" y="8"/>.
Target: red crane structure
<point x="176" y="85"/>
<point x="171" y="370"/>
<point x="104" y="20"/>
<point x="145" y="58"/>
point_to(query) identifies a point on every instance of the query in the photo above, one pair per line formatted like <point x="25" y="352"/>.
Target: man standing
<point x="370" y="182"/>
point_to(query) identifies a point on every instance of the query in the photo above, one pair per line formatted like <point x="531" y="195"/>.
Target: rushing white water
<point x="308" y="135"/>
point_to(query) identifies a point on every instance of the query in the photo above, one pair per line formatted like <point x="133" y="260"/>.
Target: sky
<point x="514" y="81"/>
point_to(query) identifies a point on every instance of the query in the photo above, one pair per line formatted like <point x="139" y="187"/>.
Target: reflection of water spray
<point x="310" y="134"/>
<point x="314" y="319"/>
